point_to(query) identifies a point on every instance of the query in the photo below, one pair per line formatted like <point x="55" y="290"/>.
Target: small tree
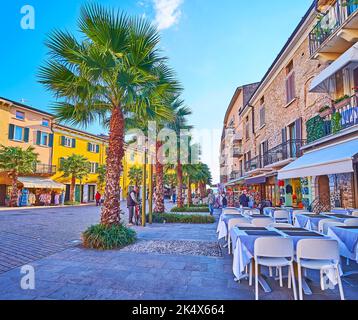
<point x="135" y="176"/>
<point x="101" y="181"/>
<point x="76" y="167"/>
<point x="16" y="161"/>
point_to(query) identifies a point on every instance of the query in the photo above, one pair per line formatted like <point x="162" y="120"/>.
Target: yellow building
<point x="69" y="141"/>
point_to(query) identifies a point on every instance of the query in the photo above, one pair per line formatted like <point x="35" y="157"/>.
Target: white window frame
<point x="22" y="135"/>
<point x="20" y="112"/>
<point x="45" y="134"/>
<point x="93" y="166"/>
<point x="93" y="147"/>
<point x="67" y="142"/>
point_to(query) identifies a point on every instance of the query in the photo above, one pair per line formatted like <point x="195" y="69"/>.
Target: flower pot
<point x="326" y="113"/>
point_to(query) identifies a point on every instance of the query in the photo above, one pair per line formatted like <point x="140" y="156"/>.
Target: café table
<point x="223" y="225"/>
<point x="347" y="238"/>
<point x="243" y="240"/>
<point x="309" y="221"/>
<point x="339" y="217"/>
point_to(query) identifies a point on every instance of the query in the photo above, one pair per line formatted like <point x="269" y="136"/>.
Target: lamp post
<point x="144" y="189"/>
<point x="150" y="198"/>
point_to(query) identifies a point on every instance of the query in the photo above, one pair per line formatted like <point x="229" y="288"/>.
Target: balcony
<point x="343" y="115"/>
<point x="336" y="30"/>
<point x="237" y="152"/>
<point x="285" y="151"/>
<point x="44" y="169"/>
<point x="253" y="164"/>
<point x="237" y="174"/>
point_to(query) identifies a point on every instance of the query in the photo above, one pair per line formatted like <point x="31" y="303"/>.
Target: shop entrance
<point x="324" y="190"/>
<point x="91" y="193"/>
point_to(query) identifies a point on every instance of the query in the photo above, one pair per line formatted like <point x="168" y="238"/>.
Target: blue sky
<point x="214" y="46"/>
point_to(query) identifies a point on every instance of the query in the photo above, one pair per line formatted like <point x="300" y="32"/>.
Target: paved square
<point x="64" y="270"/>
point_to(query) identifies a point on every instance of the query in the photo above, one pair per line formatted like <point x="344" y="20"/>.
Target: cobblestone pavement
<point x="31" y="234"/>
<point x="76" y="273"/>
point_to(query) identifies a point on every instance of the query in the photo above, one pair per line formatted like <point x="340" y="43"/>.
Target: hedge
<point x="190" y="209"/>
<point x="182" y="218"/>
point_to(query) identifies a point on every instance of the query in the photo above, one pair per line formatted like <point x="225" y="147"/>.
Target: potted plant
<point x="342" y="101"/>
<point x="325" y="111"/>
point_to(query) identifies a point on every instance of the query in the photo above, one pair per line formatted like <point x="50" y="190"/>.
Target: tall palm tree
<point x="101" y="180"/>
<point x="180" y="123"/>
<point x="16" y="161"/>
<point x="75" y="167"/>
<point x="135" y="176"/>
<point x="203" y="178"/>
<point x="108" y="74"/>
<point x="189" y="172"/>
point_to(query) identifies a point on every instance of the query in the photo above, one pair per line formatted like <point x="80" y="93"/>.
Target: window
<point x="290" y="83"/>
<point x="45" y="138"/>
<point x="20" y="115"/>
<point x="19" y="133"/>
<point x="45" y="123"/>
<point x="68" y="142"/>
<point x="93" y="147"/>
<point x="262" y="112"/>
<point x="93" y="167"/>
<point x="247" y="128"/>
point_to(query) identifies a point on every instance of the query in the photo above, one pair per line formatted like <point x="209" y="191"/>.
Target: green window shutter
<point x="88" y="146"/>
<point x="11" y="131"/>
<point x="97" y="148"/>
<point x="73" y="143"/>
<point x="61" y="163"/>
<point x="96" y="166"/>
<point x="50" y="143"/>
<point x="26" y="134"/>
<point x="38" y="138"/>
<point x="63" y="140"/>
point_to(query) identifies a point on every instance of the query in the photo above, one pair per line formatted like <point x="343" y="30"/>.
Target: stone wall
<point x="342" y="189"/>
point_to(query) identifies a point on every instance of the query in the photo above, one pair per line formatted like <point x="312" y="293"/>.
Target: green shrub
<point x="72" y="203"/>
<point x="108" y="238"/>
<point x="315" y="129"/>
<point x="336" y="122"/>
<point x="182" y="218"/>
<point x="190" y="209"/>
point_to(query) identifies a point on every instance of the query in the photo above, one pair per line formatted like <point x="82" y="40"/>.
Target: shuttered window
<point x="290" y="83"/>
<point x="262" y="116"/>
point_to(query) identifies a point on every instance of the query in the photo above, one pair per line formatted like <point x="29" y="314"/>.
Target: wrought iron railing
<point x="237" y="152"/>
<point x="288" y="150"/>
<point x="40" y="168"/>
<point x="253" y="164"/>
<point x="330" y="22"/>
<point x="237" y="174"/>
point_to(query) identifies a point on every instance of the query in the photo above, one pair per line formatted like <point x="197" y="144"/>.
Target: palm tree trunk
<point x="14" y="191"/>
<point x="180" y="185"/>
<point x="159" y="203"/>
<point x="111" y="207"/>
<point x="202" y="190"/>
<point x="190" y="200"/>
<point x="72" y="188"/>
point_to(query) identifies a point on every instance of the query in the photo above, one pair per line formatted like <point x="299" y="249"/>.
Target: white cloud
<point x="167" y="13"/>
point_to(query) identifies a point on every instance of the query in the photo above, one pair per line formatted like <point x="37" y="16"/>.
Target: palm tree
<point x="135" y="176"/>
<point x="75" y="167"/>
<point x="16" y="161"/>
<point x="101" y="180"/>
<point x="180" y="123"/>
<point x="109" y="74"/>
<point x="170" y="179"/>
<point x="189" y="172"/>
<point x="202" y="178"/>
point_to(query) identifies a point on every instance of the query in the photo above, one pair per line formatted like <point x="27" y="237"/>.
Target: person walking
<point x="174" y="196"/>
<point x="98" y="199"/>
<point x="211" y="201"/>
<point x="132" y="202"/>
<point x="224" y="201"/>
<point x="244" y="199"/>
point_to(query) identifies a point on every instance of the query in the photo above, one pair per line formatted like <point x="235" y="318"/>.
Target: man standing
<point x="244" y="199"/>
<point x="98" y="199"/>
<point x="211" y="201"/>
<point x="132" y="202"/>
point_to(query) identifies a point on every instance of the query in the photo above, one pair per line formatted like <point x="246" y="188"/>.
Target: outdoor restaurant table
<point x="342" y="211"/>
<point x="223" y="225"/>
<point x="347" y="238"/>
<point x="243" y="240"/>
<point x="311" y="221"/>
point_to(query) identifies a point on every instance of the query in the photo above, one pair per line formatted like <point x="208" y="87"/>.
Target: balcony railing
<point x="288" y="150"/>
<point x="44" y="169"/>
<point x="331" y="21"/>
<point x="237" y="152"/>
<point x="253" y="164"/>
<point x="236" y="175"/>
<point x="332" y="124"/>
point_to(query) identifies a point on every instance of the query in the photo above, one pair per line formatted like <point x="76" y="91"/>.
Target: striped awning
<point x="39" y="183"/>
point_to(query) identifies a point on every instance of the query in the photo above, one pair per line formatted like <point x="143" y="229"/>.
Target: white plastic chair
<point x="281" y="225"/>
<point x="232" y="223"/>
<point x="355" y="213"/>
<point x="325" y="224"/>
<point x="298" y="212"/>
<point x="251" y="212"/>
<point x="275" y="252"/>
<point x="351" y="222"/>
<point x="281" y="216"/>
<point x="262" y="222"/>
<point x="317" y="254"/>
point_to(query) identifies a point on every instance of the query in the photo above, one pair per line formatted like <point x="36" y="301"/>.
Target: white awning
<point x="39" y="183"/>
<point x="329" y="160"/>
<point x="324" y="81"/>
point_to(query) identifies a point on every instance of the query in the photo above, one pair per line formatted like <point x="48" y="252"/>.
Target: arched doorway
<point x="324" y="190"/>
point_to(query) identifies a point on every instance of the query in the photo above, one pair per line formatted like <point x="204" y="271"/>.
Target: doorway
<point x="324" y="190"/>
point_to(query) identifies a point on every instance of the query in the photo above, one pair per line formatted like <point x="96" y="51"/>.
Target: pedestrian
<point x="132" y="202"/>
<point x="244" y="199"/>
<point x="174" y="196"/>
<point x="211" y="201"/>
<point x="224" y="201"/>
<point x="98" y="198"/>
